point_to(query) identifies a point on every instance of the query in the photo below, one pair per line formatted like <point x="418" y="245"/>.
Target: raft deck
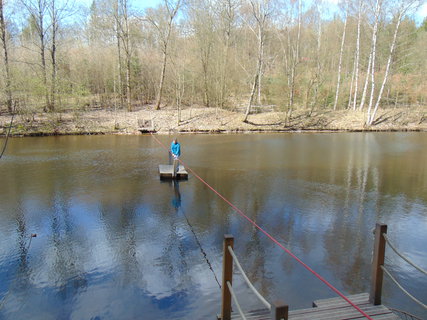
<point x="166" y="172"/>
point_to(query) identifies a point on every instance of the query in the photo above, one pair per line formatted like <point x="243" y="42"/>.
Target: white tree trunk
<point x="356" y="84"/>
<point x="260" y="14"/>
<point x="337" y="92"/>
<point x="172" y="12"/>
<point x="365" y="87"/>
<point x="260" y="60"/>
<point x="374" y="51"/>
<point x="318" y="63"/>
<point x="351" y="86"/>
<point x="387" y="70"/>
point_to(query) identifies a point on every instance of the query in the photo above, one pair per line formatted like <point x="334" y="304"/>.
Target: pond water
<point x="114" y="242"/>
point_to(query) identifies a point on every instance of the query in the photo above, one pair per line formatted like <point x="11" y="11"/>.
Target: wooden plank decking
<point x="166" y="172"/>
<point x="331" y="309"/>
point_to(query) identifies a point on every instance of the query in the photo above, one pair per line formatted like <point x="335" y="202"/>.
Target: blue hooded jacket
<point x="176" y="149"/>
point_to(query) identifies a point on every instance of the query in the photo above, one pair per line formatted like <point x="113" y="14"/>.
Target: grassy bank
<point x="208" y="120"/>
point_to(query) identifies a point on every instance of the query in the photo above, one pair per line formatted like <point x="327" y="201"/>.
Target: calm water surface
<point x="113" y="242"/>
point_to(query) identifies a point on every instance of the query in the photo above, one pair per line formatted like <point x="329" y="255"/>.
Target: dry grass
<point x="200" y="119"/>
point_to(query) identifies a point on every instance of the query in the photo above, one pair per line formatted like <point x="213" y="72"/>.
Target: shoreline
<point x="213" y="132"/>
<point x="202" y="120"/>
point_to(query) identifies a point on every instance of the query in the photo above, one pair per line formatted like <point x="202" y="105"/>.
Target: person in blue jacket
<point x="175" y="148"/>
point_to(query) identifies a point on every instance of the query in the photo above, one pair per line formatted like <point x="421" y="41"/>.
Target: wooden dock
<point x="167" y="172"/>
<point x="365" y="304"/>
<point x="330" y="309"/>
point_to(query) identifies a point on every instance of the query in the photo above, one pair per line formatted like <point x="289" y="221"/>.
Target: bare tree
<point x="7" y="80"/>
<point x="318" y="73"/>
<point x="294" y="61"/>
<point x="54" y="18"/>
<point x="125" y="37"/>
<point x="227" y="17"/>
<point x="37" y="10"/>
<point x="164" y="32"/>
<point x="203" y="24"/>
<point x="374" y="52"/>
<point x="261" y="11"/>
<point x="337" y="91"/>
<point x="357" y="53"/>
<point x="404" y="6"/>
<point x="57" y="14"/>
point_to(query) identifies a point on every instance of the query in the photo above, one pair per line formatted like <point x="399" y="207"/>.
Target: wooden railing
<point x="278" y="310"/>
<point x="378" y="268"/>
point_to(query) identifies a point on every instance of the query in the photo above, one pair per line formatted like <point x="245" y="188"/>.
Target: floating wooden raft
<point x="167" y="172"/>
<point x="330" y="309"/>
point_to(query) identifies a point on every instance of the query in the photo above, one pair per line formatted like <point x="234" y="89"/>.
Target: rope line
<point x="403" y="289"/>
<point x="402" y="256"/>
<point x="241" y="213"/>
<point x="201" y="248"/>
<point x="402" y="313"/>
<point x="248" y="282"/>
<point x="7" y="136"/>
<point x="236" y="302"/>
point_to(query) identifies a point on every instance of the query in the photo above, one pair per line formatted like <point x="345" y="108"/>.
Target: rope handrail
<point x="233" y="295"/>
<point x="248" y="282"/>
<point x="402" y="288"/>
<point x="402" y="256"/>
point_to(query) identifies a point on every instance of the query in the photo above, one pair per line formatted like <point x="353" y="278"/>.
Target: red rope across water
<point x="241" y="213"/>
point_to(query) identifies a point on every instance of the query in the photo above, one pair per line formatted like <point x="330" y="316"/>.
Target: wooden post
<point x="227" y="276"/>
<point x="377" y="262"/>
<point x="280" y="311"/>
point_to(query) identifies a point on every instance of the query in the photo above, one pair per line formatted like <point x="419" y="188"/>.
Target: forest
<point x="236" y="55"/>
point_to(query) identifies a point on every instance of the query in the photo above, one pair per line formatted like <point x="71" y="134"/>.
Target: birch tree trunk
<point x="318" y="63"/>
<point x="365" y="87"/>
<point x="337" y="91"/>
<point x="256" y="78"/>
<point x="260" y="13"/>
<point x="356" y="85"/>
<point x="251" y="98"/>
<point x="350" y="94"/>
<point x="8" y="82"/>
<point x="317" y="79"/>
<point x="387" y="70"/>
<point x="373" y="52"/>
